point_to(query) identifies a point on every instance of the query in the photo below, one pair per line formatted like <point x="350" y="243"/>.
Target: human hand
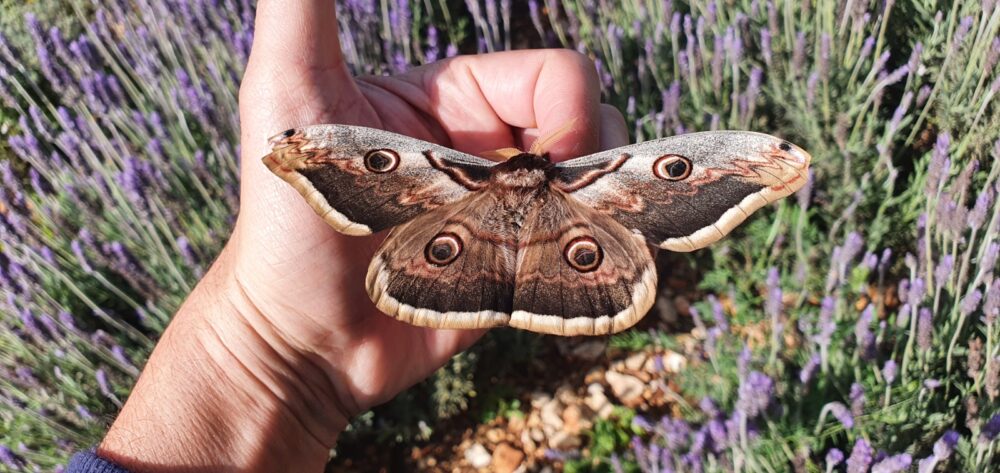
<point x="283" y="318"/>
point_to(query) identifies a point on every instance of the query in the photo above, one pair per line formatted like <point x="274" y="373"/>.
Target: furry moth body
<point x="553" y="248"/>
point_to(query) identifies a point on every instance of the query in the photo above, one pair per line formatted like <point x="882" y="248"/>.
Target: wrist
<point x="221" y="390"/>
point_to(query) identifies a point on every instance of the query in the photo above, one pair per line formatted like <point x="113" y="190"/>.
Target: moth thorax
<point x="528" y="178"/>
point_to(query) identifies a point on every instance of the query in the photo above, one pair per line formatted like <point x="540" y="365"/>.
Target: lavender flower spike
<point x="889" y="371"/>
<point x="893" y="464"/>
<point x="833" y="458"/>
<point x="755" y="394"/>
<point x="861" y="457"/>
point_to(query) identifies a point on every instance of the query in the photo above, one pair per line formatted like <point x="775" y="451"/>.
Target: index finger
<point x="476" y="100"/>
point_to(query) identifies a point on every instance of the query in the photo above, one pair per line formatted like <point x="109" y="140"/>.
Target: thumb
<point x="300" y="35"/>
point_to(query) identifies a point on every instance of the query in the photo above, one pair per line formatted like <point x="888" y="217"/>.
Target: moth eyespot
<point x="381" y="161"/>
<point x="289" y="132"/>
<point x="583" y="254"/>
<point x="672" y="167"/>
<point x="443" y="249"/>
<point x="785" y="146"/>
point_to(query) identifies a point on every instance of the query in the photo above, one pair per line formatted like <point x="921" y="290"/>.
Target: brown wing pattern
<point x="606" y="289"/>
<point x="729" y="175"/>
<point x="362" y="180"/>
<point x="471" y="288"/>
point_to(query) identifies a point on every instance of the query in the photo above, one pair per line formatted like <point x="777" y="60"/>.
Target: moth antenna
<point x="542" y="144"/>
<point x="501" y="154"/>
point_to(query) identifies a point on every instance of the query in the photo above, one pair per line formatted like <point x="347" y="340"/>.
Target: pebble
<point x="494" y="435"/>
<point x="573" y="421"/>
<point x="597" y="401"/>
<point x="478" y="456"/>
<point x="564" y="441"/>
<point x="551" y="418"/>
<point x="674" y="362"/>
<point x="506" y="459"/>
<point x="635" y="361"/>
<point x="627" y="388"/>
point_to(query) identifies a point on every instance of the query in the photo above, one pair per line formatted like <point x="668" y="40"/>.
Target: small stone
<point x="597" y="401"/>
<point x="527" y="443"/>
<point x="674" y="362"/>
<point x="494" y="435"/>
<point x="478" y="456"/>
<point x="595" y="375"/>
<point x="539" y="399"/>
<point x="573" y="421"/>
<point x="564" y="441"/>
<point x="551" y="418"/>
<point x="534" y="420"/>
<point x="566" y="395"/>
<point x="635" y="361"/>
<point x="506" y="459"/>
<point x="650" y="365"/>
<point x="537" y="435"/>
<point x="627" y="388"/>
<point x="515" y="424"/>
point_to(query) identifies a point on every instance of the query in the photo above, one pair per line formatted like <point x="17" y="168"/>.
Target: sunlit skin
<point x="280" y="345"/>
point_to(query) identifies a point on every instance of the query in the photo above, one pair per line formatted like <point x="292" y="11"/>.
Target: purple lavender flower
<point x="971" y="302"/>
<point x="755" y="394"/>
<point x="932" y="384"/>
<point x="897" y="116"/>
<point x="961" y="32"/>
<point x="945" y="445"/>
<point x="709" y="407"/>
<point x="841" y="413"/>
<point x="765" y="45"/>
<point x="861" y="457"/>
<point x="809" y="369"/>
<point x="922" y="94"/>
<point x="866" y="48"/>
<point x="943" y="270"/>
<point x="811" y="85"/>
<point x="675" y="433"/>
<point x="863" y="335"/>
<point x="991" y="429"/>
<point x="857" y="396"/>
<point x="83" y="412"/>
<point x="939" y="165"/>
<point x="833" y="458"/>
<point x="991" y="307"/>
<point x="924" y="329"/>
<point x="30" y="325"/>
<point x="977" y="216"/>
<point x="916" y="292"/>
<point x="893" y="464"/>
<point x="102" y="382"/>
<point x="642" y="423"/>
<point x="889" y="371"/>
<point x="187" y="253"/>
<point x="799" y="52"/>
<point x="10" y="459"/>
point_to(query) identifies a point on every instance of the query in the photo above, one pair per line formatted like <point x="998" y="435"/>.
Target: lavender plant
<point x="121" y="189"/>
<point x="873" y="284"/>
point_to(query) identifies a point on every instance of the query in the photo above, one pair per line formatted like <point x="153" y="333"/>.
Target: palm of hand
<point x="304" y="279"/>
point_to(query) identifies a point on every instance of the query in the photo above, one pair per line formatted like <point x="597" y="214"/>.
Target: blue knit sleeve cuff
<point x="89" y="462"/>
